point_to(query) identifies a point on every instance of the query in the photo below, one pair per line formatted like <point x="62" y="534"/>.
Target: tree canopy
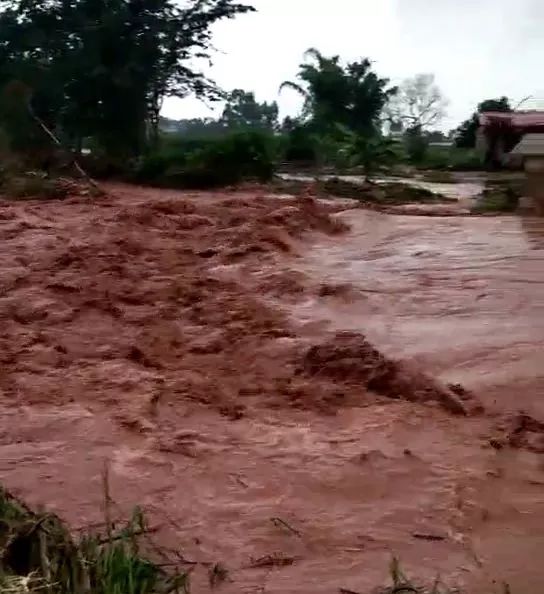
<point x="102" y="68"/>
<point x="243" y="111"/>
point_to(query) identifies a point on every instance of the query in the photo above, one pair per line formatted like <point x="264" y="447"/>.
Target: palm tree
<point x="352" y="95"/>
<point x="317" y="75"/>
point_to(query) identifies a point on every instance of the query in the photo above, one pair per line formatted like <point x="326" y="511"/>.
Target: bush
<point x="100" y="166"/>
<point x="300" y="145"/>
<point x="452" y="158"/>
<point x="416" y="144"/>
<point x="240" y="156"/>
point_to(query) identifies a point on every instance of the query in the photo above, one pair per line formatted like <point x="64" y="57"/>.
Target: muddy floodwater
<point x="462" y="296"/>
<point x="195" y="345"/>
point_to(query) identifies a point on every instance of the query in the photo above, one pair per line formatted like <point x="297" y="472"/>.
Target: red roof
<point x="516" y="119"/>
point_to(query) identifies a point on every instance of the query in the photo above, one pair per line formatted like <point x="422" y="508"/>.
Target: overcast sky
<point x="477" y="49"/>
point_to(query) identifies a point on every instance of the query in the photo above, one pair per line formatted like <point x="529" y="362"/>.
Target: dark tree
<point x="102" y="68"/>
<point x="465" y="136"/>
<point x="243" y="111"/>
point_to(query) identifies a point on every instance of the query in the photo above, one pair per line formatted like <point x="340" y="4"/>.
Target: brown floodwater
<point x="161" y="336"/>
<point x="464" y="297"/>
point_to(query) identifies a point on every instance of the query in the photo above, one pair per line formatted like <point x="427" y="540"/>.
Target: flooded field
<point x="195" y="344"/>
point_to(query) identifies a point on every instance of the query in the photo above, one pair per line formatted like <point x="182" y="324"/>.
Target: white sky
<point x="478" y="49"/>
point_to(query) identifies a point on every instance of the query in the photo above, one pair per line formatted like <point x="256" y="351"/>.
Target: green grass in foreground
<point x="37" y="554"/>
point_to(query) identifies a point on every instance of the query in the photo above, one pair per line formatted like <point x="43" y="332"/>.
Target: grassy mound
<point x="369" y="193"/>
<point x="391" y="193"/>
<point x="38" y="185"/>
<point x="498" y="197"/>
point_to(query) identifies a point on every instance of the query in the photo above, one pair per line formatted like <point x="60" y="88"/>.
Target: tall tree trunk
<point x="154" y="119"/>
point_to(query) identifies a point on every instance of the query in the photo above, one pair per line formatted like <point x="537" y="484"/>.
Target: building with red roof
<point x="500" y="132"/>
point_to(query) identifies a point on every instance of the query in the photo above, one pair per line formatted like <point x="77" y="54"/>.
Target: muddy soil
<point x="196" y="345"/>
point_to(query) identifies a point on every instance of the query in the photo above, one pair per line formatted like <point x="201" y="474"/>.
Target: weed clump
<point x="38" y="554"/>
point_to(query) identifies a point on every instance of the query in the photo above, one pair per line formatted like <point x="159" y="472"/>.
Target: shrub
<point x="100" y="166"/>
<point x="416" y="144"/>
<point x="452" y="158"/>
<point x="240" y="156"/>
<point x="300" y="145"/>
